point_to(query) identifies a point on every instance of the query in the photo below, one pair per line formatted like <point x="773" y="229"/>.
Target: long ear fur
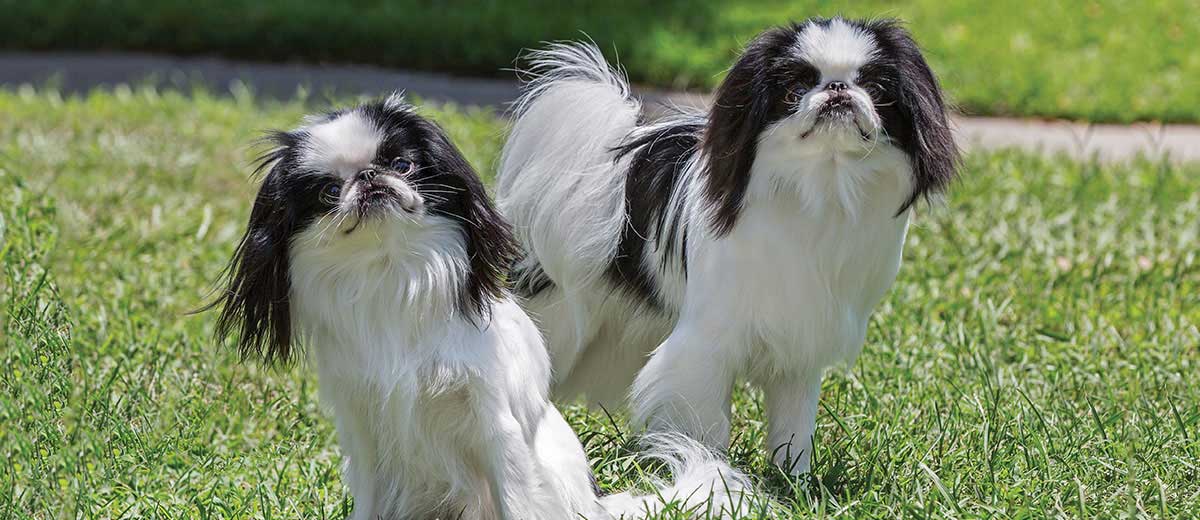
<point x="927" y="138"/>
<point x="745" y="104"/>
<point x="489" y="240"/>
<point x="255" y="302"/>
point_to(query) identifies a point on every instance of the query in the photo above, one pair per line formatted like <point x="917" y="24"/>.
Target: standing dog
<point x="373" y="243"/>
<point x="753" y="240"/>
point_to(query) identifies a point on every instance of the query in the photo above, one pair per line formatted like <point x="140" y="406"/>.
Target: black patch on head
<point x="659" y="156"/>
<point x="451" y="189"/>
<point x="768" y="78"/>
<point x="754" y="94"/>
<point x="255" y="302"/>
<point x="910" y="103"/>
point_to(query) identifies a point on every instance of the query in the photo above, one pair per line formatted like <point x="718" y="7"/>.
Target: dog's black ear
<point x="745" y="103"/>
<point x="490" y="245"/>
<point x="255" y="301"/>
<point x="922" y="129"/>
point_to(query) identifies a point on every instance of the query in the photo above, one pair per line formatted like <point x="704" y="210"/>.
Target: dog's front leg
<point x="792" y="400"/>
<point x="686" y="386"/>
<point x="511" y="468"/>
<point x="358" y="449"/>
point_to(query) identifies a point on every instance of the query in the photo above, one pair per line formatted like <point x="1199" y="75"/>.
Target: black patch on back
<point x="658" y="159"/>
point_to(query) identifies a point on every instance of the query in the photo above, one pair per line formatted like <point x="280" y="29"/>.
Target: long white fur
<point x="785" y="294"/>
<point x="439" y="416"/>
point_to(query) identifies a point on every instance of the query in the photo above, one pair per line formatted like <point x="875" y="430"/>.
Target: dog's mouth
<point x="375" y="194"/>
<point x="836" y="107"/>
<point x="376" y="200"/>
<point x="375" y="197"/>
<point x="837" y="114"/>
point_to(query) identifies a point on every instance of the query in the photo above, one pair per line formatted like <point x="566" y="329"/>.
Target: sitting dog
<point x="373" y="244"/>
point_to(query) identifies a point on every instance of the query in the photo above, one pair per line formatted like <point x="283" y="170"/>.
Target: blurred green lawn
<point x="1037" y="357"/>
<point x="1115" y="61"/>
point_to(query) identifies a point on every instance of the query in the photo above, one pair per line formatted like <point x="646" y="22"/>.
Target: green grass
<point x="1081" y="59"/>
<point x="1037" y="357"/>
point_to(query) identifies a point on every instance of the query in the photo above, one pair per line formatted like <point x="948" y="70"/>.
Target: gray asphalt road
<point x="80" y="72"/>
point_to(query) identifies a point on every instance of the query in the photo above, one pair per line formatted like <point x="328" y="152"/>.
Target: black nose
<point x="366" y="175"/>
<point x="836" y="86"/>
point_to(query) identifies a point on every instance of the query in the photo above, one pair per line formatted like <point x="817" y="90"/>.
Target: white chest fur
<point x="410" y="379"/>
<point x="815" y="248"/>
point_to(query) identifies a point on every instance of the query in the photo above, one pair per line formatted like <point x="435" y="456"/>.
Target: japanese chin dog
<point x="373" y="244"/>
<point x="751" y="240"/>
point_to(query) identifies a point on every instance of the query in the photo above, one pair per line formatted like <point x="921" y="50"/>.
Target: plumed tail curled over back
<point x="562" y="63"/>
<point x="571" y="97"/>
<point x="557" y="183"/>
<point x="705" y="486"/>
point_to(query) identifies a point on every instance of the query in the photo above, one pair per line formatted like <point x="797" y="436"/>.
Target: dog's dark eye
<point x="874" y="89"/>
<point x="332" y="190"/>
<point x="400" y="164"/>
<point x="796" y="94"/>
<point x="873" y="79"/>
<point x="806" y="78"/>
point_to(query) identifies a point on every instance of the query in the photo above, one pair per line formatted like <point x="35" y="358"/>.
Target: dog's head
<point x="374" y="183"/>
<point x="835" y="83"/>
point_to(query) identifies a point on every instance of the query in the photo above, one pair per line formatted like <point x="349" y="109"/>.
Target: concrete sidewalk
<point x="1080" y="140"/>
<point x="80" y="72"/>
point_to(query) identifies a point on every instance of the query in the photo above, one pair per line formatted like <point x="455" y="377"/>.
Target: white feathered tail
<point x="704" y="486"/>
<point x="556" y="183"/>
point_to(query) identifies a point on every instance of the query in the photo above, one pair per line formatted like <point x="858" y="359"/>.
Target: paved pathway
<point x="79" y="72"/>
<point x="1107" y="142"/>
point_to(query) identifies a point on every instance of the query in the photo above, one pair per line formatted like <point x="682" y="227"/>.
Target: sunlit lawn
<point x="1037" y="357"/>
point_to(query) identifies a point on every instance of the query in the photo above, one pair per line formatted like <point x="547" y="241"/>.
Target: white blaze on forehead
<point x="343" y="145"/>
<point x="837" y="50"/>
